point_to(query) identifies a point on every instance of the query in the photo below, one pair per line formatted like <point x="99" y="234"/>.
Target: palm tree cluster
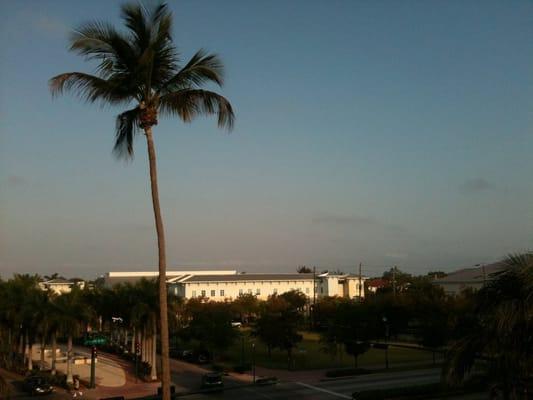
<point x="30" y="315"/>
<point x="126" y="313"/>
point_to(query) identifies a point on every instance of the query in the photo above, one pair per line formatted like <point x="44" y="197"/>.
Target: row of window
<point x="203" y="293"/>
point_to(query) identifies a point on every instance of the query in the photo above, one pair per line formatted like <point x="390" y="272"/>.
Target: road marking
<point x="343" y="396"/>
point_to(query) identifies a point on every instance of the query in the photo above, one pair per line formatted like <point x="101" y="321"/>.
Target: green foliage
<point x="141" y="65"/>
<point x="245" y="306"/>
<point x="278" y="322"/>
<point x="209" y="324"/>
<point x="499" y="330"/>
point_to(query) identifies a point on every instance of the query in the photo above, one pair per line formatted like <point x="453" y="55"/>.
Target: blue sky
<point x="383" y="132"/>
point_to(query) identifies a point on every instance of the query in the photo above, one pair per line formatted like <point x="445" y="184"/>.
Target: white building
<point x="112" y="278"/>
<point x="228" y="285"/>
<point x="60" y="286"/>
<point x="469" y="278"/>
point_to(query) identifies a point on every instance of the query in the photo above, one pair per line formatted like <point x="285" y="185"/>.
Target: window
<point x="213" y="293"/>
<point x="321" y="290"/>
<point x="307" y="290"/>
<point x="258" y="291"/>
<point x="222" y="293"/>
<point x="275" y="291"/>
<point x="194" y="293"/>
<point x="203" y="293"/>
<point x="241" y="291"/>
<point x="249" y="291"/>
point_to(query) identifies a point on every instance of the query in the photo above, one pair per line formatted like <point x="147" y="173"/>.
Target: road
<point x="328" y="390"/>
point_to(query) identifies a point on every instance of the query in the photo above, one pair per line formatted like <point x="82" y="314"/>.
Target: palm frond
<point x="200" y="69"/>
<point x="135" y="19"/>
<point x="99" y="40"/>
<point x="127" y="126"/>
<point x="188" y="104"/>
<point x="89" y="87"/>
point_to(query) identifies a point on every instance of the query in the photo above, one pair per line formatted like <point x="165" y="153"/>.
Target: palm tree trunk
<point x="144" y="353"/>
<point x="133" y="339"/>
<point x="154" y="352"/>
<point x="26" y="348"/>
<point x="21" y="344"/>
<point x="69" y="360"/>
<point x="43" y="345"/>
<point x="165" y="364"/>
<point x="30" y="356"/>
<point x="54" y="350"/>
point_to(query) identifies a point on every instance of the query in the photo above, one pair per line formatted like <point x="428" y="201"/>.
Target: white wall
<point x="231" y="290"/>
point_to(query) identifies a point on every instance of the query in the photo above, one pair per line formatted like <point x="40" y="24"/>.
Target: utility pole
<point x="394" y="281"/>
<point x="360" y="279"/>
<point x="314" y="286"/>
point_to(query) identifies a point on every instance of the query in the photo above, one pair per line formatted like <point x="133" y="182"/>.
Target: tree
<point x="430" y="313"/>
<point x="350" y="325"/>
<point x="500" y="331"/>
<point x="277" y="325"/>
<point x="246" y="305"/>
<point x="210" y="325"/>
<point x="296" y="299"/>
<point x="142" y="67"/>
<point x="304" y="270"/>
<point x="73" y="312"/>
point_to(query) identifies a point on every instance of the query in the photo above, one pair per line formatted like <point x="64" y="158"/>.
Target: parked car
<point x="37" y="385"/>
<point x="212" y="381"/>
<point x="236" y="324"/>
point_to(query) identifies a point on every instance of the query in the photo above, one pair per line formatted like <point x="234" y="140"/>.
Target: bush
<point x="337" y="373"/>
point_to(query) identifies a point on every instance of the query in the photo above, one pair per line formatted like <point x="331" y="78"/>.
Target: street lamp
<point x="387" y="342"/>
<point x="253" y="360"/>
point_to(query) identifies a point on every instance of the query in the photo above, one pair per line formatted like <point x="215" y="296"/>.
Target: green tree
<point x="73" y="312"/>
<point x="246" y="305"/>
<point x="141" y="67"/>
<point x="210" y="325"/>
<point x="500" y="330"/>
<point x="277" y="325"/>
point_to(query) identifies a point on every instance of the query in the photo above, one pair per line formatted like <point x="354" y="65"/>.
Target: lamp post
<point x="253" y="360"/>
<point x="387" y="342"/>
<point x="92" y="383"/>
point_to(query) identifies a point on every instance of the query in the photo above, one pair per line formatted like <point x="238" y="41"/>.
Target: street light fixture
<point x="253" y="360"/>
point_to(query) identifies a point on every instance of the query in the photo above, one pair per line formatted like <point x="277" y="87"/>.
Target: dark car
<point x="212" y="381"/>
<point x="37" y="385"/>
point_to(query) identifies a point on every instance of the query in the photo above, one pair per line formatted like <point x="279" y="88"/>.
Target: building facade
<point x="228" y="284"/>
<point x="469" y="278"/>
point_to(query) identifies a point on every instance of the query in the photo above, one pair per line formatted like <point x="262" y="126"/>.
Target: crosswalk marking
<point x="343" y="396"/>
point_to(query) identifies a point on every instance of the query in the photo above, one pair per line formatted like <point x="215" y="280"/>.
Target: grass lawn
<point x="309" y="355"/>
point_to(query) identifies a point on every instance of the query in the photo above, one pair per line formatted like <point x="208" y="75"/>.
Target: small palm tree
<point x="141" y="68"/>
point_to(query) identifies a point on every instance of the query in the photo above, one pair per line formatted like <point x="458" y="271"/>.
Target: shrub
<point x="242" y="368"/>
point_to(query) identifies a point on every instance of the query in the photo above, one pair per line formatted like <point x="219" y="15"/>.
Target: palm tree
<point x="141" y="68"/>
<point x="500" y="330"/>
<point x="72" y="311"/>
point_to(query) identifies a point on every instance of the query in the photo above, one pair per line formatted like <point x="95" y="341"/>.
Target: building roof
<point x="475" y="274"/>
<point x="377" y="283"/>
<point x="248" y="277"/>
<point x="58" y="281"/>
